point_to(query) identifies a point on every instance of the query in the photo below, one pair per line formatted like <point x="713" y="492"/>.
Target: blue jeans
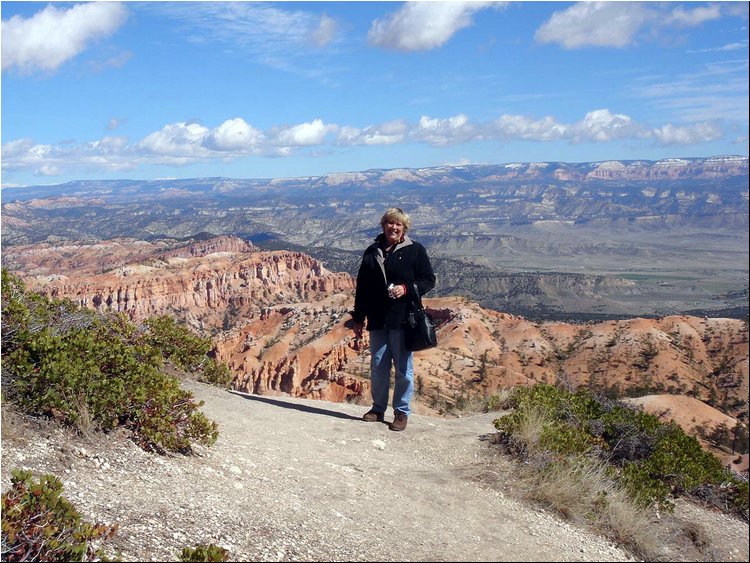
<point x="387" y="347"/>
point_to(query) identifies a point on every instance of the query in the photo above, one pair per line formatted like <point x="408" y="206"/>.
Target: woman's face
<point x="393" y="231"/>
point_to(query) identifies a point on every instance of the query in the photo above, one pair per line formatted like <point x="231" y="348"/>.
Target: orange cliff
<point x="199" y="283"/>
<point x="280" y="321"/>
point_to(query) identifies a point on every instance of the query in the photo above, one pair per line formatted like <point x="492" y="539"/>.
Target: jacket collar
<point x="379" y="252"/>
<point x="405" y="241"/>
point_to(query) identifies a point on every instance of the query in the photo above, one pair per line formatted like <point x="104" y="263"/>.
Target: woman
<point x="386" y="280"/>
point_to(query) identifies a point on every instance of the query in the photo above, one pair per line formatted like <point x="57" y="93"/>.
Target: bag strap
<point x="417" y="297"/>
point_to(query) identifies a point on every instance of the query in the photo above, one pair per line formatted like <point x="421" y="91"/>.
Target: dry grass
<point x="358" y="400"/>
<point x="500" y="400"/>
<point x="582" y="490"/>
<point x="12" y="426"/>
<point x="530" y="429"/>
<point x="696" y="534"/>
<point x="84" y="422"/>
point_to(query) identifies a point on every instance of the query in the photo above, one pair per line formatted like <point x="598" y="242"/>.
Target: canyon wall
<point x="281" y="322"/>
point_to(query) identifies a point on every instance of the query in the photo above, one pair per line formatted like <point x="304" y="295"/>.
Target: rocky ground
<point x="302" y="480"/>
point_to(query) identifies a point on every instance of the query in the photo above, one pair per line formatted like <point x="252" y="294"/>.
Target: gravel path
<point x="301" y="480"/>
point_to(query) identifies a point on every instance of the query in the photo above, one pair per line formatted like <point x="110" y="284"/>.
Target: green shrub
<point x="497" y="402"/>
<point x="39" y="524"/>
<point x="202" y="552"/>
<point x="56" y="374"/>
<point x="563" y="413"/>
<point x="215" y="373"/>
<point x="177" y="343"/>
<point x="98" y="371"/>
<point x="677" y="465"/>
<point x="653" y="461"/>
<point x="168" y="419"/>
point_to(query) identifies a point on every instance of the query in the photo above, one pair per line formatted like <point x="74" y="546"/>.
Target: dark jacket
<point x="406" y="264"/>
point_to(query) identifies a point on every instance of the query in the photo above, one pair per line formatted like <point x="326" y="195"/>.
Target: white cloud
<point x="427" y="123"/>
<point x="111" y="145"/>
<point x="305" y="134"/>
<point x="601" y="125"/>
<point x="234" y="134"/>
<point x="599" y="24"/>
<point x="597" y="126"/>
<point x="25" y="153"/>
<point x="245" y="24"/>
<point x="116" y="61"/>
<point x="184" y="140"/>
<point x="348" y="135"/>
<point x="182" y="143"/>
<point x="388" y="133"/>
<point x="270" y="35"/>
<point x="325" y="31"/>
<point x="687" y="135"/>
<point x="696" y="16"/>
<point x="53" y="36"/>
<point x="17" y="148"/>
<point x="701" y="94"/>
<point x="528" y="129"/>
<point x="728" y="47"/>
<point x="617" y="24"/>
<point x="440" y="132"/>
<point x="48" y="170"/>
<point x="463" y="161"/>
<point x="420" y="26"/>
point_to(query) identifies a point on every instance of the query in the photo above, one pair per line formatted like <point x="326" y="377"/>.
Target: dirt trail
<point x="300" y="480"/>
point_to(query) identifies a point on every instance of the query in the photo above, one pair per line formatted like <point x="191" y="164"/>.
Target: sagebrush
<point x="101" y="371"/>
<point x="204" y="552"/>
<point x="653" y="461"/>
<point x="39" y="524"/>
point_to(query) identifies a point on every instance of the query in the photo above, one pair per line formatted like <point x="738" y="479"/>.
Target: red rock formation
<point x="305" y="351"/>
<point x="200" y="283"/>
<point x="280" y="321"/>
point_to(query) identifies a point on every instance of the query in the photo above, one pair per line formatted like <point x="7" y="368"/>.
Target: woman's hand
<point x="397" y="291"/>
<point x="358" y="329"/>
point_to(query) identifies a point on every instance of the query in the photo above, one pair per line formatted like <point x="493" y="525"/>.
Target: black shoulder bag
<point x="418" y="327"/>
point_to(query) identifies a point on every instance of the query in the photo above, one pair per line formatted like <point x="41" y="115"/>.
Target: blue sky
<point x="149" y="90"/>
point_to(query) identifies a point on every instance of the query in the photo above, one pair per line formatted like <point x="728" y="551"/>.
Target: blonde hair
<point x="396" y="214"/>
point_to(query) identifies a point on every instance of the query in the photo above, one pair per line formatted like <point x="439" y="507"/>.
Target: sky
<point x="153" y="90"/>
